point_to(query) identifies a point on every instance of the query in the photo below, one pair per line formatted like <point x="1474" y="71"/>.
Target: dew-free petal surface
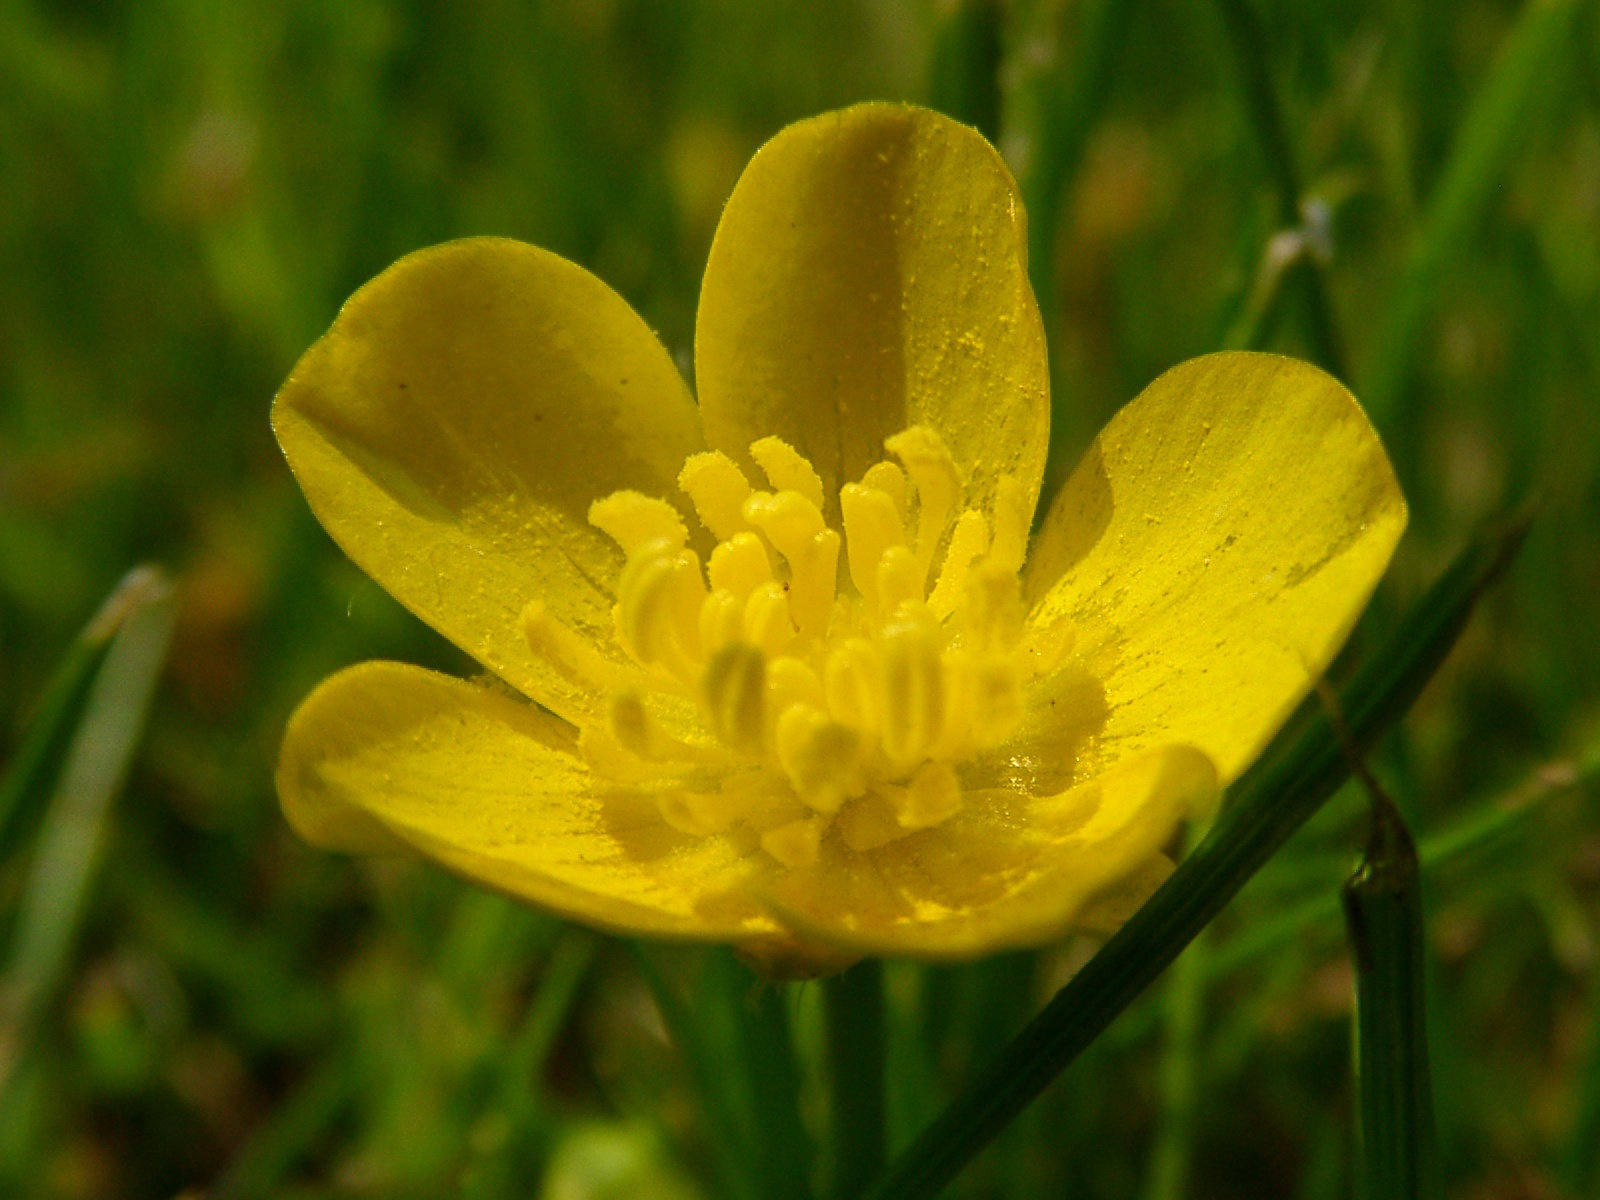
<point x="1007" y="871"/>
<point x="1213" y="549"/>
<point x="452" y="427"/>
<point x="384" y="755"/>
<point x="869" y="274"/>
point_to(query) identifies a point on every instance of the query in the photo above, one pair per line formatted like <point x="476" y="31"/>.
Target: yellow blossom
<point x="785" y="667"/>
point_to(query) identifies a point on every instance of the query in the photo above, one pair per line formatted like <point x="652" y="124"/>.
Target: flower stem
<point x="1272" y="800"/>
<point x="853" y="1010"/>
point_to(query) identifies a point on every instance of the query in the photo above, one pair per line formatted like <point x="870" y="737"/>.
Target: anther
<point x="889" y="479"/>
<point x="853" y="682"/>
<point x="572" y="657"/>
<point x="899" y="580"/>
<point x="872" y="523"/>
<point x="1012" y="515"/>
<point x="739" y="565"/>
<point x="658" y="607"/>
<point x="819" y="757"/>
<point x="718" y="490"/>
<point x="913" y="690"/>
<point x="968" y="541"/>
<point x="787" y="470"/>
<point x="633" y="520"/>
<point x="933" y="470"/>
<point x="767" y="624"/>
<point x="734" y="691"/>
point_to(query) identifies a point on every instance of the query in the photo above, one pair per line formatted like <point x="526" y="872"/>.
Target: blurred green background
<point x="189" y="189"/>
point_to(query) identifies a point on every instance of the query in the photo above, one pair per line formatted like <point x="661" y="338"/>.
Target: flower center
<point x="780" y="692"/>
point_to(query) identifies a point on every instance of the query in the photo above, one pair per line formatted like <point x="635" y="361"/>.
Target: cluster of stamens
<point x="819" y="694"/>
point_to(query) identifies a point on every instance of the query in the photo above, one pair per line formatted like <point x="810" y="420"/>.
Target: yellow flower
<point x="801" y="681"/>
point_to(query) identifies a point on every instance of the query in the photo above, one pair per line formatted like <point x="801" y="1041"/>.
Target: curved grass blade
<point x="96" y="761"/>
<point x="1272" y="800"/>
<point x="30" y="776"/>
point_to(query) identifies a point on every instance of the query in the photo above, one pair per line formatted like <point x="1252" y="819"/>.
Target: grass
<point x="190" y="192"/>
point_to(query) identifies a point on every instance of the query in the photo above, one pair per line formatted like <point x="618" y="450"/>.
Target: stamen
<point x="819" y="711"/>
<point x="721" y="621"/>
<point x="819" y="757"/>
<point x="968" y="541"/>
<point x="734" y="691"/>
<point x="787" y="518"/>
<point x="718" y="490"/>
<point x="913" y="689"/>
<point x="739" y="565"/>
<point x="1011" y="519"/>
<point x="868" y="822"/>
<point x="571" y="656"/>
<point x="766" y="619"/>
<point x="790" y="681"/>
<point x="872" y="524"/>
<point x="796" y="844"/>
<point x="633" y="520"/>
<point x="608" y="758"/>
<point x="932" y="469"/>
<point x="787" y="469"/>
<point x="636" y="731"/>
<point x="854" y="685"/>
<point x="700" y="813"/>
<point x="932" y="796"/>
<point x="991" y="618"/>
<point x="899" y="580"/>
<point x="891" y="481"/>
<point x="657" y="613"/>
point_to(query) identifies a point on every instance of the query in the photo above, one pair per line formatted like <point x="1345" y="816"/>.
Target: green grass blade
<point x="762" y="1045"/>
<point x="1272" y="800"/>
<point x="1491" y="133"/>
<point x="1303" y="274"/>
<point x="1060" y="113"/>
<point x="853" y="1004"/>
<point x="295" y="1126"/>
<point x="1383" y="914"/>
<point x="31" y="775"/>
<point x="724" y="1109"/>
<point x="96" y="761"/>
<point x="1183" y="1007"/>
<point x="965" y="79"/>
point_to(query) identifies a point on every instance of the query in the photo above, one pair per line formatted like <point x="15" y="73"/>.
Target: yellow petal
<point x="1006" y="871"/>
<point x="1213" y="549"/>
<point x="868" y="275"/>
<point x="385" y="755"/>
<point x="453" y="427"/>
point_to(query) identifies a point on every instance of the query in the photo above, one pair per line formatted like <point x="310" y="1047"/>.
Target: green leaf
<point x="1268" y="804"/>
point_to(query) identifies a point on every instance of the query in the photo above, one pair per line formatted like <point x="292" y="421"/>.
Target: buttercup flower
<point x="784" y="668"/>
